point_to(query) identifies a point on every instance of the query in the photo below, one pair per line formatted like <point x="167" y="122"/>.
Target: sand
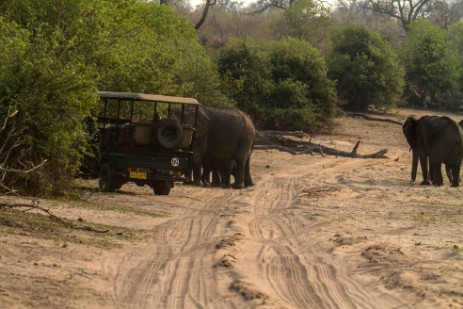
<point x="314" y="232"/>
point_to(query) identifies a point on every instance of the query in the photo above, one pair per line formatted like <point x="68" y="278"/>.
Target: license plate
<point x="138" y="175"/>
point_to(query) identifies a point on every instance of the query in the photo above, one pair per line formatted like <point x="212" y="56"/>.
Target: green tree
<point x="432" y="68"/>
<point x="456" y="37"/>
<point x="282" y="84"/>
<point x="301" y="84"/>
<point x="305" y="20"/>
<point x="366" y="69"/>
<point x="246" y="74"/>
<point x="57" y="53"/>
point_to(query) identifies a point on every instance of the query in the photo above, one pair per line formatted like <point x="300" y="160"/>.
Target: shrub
<point x="282" y="84"/>
<point x="432" y="69"/>
<point x="366" y="69"/>
<point x="55" y="55"/>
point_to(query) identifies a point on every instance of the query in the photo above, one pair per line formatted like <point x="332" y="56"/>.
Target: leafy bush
<point x="282" y="84"/>
<point x="246" y="74"/>
<point x="432" y="69"/>
<point x="366" y="69"/>
<point x="55" y="54"/>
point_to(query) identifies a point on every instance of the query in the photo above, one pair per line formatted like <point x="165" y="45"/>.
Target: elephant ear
<point x="409" y="129"/>
<point x="203" y="123"/>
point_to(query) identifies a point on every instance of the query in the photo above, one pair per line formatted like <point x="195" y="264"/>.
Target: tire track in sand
<point x="279" y="251"/>
<point x="175" y="269"/>
<point x="294" y="258"/>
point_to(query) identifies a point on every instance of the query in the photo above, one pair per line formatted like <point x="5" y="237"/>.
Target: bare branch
<point x="12" y="151"/>
<point x="406" y="11"/>
<point x="354" y="151"/>
<point x="20" y="171"/>
<point x="209" y="3"/>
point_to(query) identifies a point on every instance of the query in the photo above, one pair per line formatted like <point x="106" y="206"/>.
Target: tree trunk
<point x="204" y="14"/>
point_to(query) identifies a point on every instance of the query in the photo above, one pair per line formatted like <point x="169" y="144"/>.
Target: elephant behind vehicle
<point x="221" y="172"/>
<point x="435" y="140"/>
<point x="225" y="134"/>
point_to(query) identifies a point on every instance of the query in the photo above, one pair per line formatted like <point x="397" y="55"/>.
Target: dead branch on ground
<point x="298" y="142"/>
<point x="367" y="117"/>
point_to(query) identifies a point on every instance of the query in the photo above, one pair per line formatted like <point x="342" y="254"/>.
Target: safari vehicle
<point x="139" y="140"/>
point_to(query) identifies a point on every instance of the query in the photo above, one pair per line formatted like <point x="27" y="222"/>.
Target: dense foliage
<point x="432" y="68"/>
<point x="456" y="37"/>
<point x="282" y="84"/>
<point x="366" y="69"/>
<point x="55" y="54"/>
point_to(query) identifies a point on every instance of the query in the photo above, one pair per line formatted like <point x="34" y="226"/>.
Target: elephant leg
<point x="239" y="177"/>
<point x="227" y="170"/>
<point x="437" y="172"/>
<point x="449" y="172"/>
<point x="455" y="169"/>
<point x="206" y="175"/>
<point x="225" y="175"/>
<point x="432" y="174"/>
<point x="197" y="174"/>
<point x="247" y="174"/>
<point x="424" y="170"/>
<point x="216" y="178"/>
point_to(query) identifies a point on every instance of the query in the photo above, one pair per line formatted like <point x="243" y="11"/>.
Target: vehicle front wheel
<point x="162" y="187"/>
<point x="106" y="182"/>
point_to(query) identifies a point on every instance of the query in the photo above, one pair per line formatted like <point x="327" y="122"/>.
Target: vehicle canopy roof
<point x="145" y="97"/>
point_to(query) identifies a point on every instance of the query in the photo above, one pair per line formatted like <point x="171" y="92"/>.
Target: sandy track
<point x="314" y="232"/>
<point x="269" y="245"/>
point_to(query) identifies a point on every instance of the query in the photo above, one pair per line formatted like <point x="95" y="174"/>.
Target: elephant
<point x="437" y="140"/>
<point x="221" y="171"/>
<point x="224" y="134"/>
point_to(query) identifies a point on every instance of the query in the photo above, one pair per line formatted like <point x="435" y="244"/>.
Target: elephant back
<point x="230" y="129"/>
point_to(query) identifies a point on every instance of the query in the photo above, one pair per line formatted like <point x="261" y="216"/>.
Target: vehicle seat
<point x="142" y="133"/>
<point x="188" y="131"/>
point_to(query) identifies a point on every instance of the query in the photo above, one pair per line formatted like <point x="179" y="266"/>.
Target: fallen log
<point x="367" y="117"/>
<point x="324" y="150"/>
<point x="278" y="140"/>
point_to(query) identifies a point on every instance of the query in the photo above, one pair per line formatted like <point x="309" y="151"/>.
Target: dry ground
<point x="314" y="232"/>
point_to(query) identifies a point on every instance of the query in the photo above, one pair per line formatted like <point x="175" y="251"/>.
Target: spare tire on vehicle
<point x="168" y="133"/>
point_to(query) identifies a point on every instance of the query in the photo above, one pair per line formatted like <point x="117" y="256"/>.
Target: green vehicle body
<point x="145" y="150"/>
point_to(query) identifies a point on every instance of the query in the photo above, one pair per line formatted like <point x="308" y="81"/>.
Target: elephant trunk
<point x="414" y="164"/>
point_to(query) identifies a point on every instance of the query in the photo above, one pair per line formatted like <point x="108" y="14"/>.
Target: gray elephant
<point x="225" y="134"/>
<point x="221" y="172"/>
<point x="439" y="140"/>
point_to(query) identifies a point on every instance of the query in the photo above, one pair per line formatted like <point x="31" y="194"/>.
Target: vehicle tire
<point x="106" y="182"/>
<point x="162" y="187"/>
<point x="168" y="133"/>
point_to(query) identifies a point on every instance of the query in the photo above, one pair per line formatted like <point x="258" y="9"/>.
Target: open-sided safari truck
<point x="139" y="140"/>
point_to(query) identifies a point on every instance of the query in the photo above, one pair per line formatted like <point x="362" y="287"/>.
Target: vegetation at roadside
<point x="291" y="65"/>
<point x="282" y="84"/>
<point x="115" y="208"/>
<point x="39" y="226"/>
<point x="366" y="69"/>
<point x="433" y="67"/>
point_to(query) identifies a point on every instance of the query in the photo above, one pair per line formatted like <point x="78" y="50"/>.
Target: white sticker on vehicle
<point x="175" y="161"/>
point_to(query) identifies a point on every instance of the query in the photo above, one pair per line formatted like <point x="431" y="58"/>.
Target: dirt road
<point x="314" y="232"/>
